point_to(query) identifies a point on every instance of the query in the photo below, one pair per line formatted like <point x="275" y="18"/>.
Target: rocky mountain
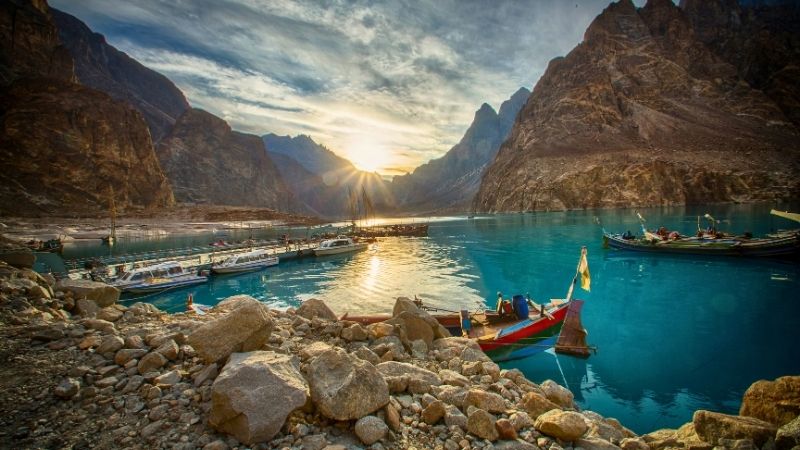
<point x="760" y="38"/>
<point x="450" y="182"/>
<point x="101" y="66"/>
<point x="63" y="145"/>
<point x="209" y="163"/>
<point x="643" y="112"/>
<point x="323" y="181"/>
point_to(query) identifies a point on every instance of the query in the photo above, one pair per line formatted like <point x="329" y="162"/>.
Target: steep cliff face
<point x="450" y="182"/>
<point x="103" y="67"/>
<point x="642" y="113"/>
<point x="333" y="179"/>
<point x="62" y="145"/>
<point x="760" y="38"/>
<point x="209" y="163"/>
<point x="29" y="44"/>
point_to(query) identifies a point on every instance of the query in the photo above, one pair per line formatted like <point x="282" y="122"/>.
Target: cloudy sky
<point x="386" y="84"/>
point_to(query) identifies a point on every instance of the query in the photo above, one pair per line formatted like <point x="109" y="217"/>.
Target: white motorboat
<point x="157" y="277"/>
<point x="341" y="244"/>
<point x="245" y="262"/>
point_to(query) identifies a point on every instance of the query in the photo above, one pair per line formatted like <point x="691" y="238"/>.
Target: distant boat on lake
<point x="246" y="262"/>
<point x="341" y="244"/>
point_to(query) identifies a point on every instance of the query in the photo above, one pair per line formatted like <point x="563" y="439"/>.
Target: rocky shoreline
<point x="82" y="371"/>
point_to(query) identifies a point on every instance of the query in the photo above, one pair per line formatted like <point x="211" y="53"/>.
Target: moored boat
<point x="708" y="242"/>
<point x="518" y="328"/>
<point x="166" y="275"/>
<point x="162" y="284"/>
<point x="246" y="262"/>
<point x="341" y="244"/>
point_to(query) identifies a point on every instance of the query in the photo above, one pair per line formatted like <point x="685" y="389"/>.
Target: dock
<point x="191" y="258"/>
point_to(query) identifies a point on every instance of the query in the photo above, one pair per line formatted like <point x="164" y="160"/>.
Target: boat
<point x="522" y="329"/>
<point x="50" y="245"/>
<point x="341" y="244"/>
<point x="246" y="262"/>
<point x="708" y="242"/>
<point x="157" y="277"/>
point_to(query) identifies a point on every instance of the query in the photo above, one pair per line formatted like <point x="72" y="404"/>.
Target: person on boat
<point x="503" y="306"/>
<point x="663" y="233"/>
<point x="628" y="235"/>
<point x="673" y="235"/>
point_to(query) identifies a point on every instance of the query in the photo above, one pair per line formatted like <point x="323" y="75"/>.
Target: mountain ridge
<point x="641" y="113"/>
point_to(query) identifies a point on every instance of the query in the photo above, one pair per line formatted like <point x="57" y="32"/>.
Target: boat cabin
<point x="165" y="270"/>
<point x="247" y="258"/>
<point x="338" y="242"/>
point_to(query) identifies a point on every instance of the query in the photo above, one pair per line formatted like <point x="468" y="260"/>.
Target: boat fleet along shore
<point x="84" y="371"/>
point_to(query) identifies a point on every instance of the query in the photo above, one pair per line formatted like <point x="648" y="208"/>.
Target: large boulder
<point x="777" y="402"/>
<point x="315" y="308"/>
<point x="416" y="323"/>
<point x="345" y="387"/>
<point x="536" y="404"/>
<point x="557" y="393"/>
<point x="565" y="425"/>
<point x="488" y="401"/>
<point x="419" y="380"/>
<point x="101" y="293"/>
<point x="254" y="394"/>
<point x="22" y="258"/>
<point x="713" y="426"/>
<point x="244" y="328"/>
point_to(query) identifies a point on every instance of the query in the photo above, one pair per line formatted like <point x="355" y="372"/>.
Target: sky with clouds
<point x="387" y="84"/>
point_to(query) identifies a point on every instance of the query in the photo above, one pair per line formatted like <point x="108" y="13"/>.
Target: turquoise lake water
<point x="674" y="334"/>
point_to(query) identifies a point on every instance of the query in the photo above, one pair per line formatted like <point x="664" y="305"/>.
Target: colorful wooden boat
<point x="523" y="330"/>
<point x="783" y="245"/>
<point x="709" y="242"/>
<point x="504" y="337"/>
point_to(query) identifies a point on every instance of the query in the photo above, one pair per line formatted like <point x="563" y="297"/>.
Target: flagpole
<point x="577" y="273"/>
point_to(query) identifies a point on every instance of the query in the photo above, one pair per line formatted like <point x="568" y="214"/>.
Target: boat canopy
<point x="167" y="269"/>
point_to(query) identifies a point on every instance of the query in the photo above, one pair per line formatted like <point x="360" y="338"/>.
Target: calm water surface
<point x="674" y="334"/>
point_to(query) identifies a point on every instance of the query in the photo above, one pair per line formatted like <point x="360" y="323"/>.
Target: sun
<point x="369" y="154"/>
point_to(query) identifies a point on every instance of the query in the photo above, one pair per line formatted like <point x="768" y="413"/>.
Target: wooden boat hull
<point x="148" y="288"/>
<point x="786" y="245"/>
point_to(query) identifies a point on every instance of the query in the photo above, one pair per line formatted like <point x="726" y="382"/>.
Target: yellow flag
<point x="583" y="269"/>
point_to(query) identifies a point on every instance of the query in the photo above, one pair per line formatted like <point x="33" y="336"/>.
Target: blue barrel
<point x="520" y="306"/>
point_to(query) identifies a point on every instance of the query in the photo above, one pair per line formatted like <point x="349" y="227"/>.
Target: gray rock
<point x="354" y="332"/>
<point x="481" y="424"/>
<point x="101" y="293"/>
<point x="125" y="355"/>
<point x="454" y="417"/>
<point x="86" y="308"/>
<point x="315" y="308"/>
<point x="370" y="429"/>
<point x="488" y="401"/>
<point x="168" y="379"/>
<point x="67" y="388"/>
<point x="245" y="327"/>
<point x="207" y="373"/>
<point x="110" y="314"/>
<point x="788" y="436"/>
<point x="151" y="362"/>
<point x="711" y="426"/>
<point x="453" y="378"/>
<point x="344" y="387"/>
<point x="110" y="344"/>
<point x="557" y="394"/>
<point x="419" y="380"/>
<point x="564" y="425"/>
<point x="247" y="384"/>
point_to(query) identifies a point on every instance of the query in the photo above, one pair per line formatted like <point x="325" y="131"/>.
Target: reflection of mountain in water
<point x="676" y="326"/>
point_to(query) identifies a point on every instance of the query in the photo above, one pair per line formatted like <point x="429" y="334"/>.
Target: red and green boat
<point x="523" y="329"/>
